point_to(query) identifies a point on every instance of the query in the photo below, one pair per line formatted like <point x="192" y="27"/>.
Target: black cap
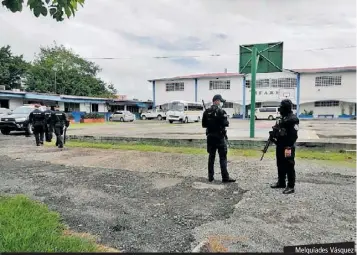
<point x="218" y="97"/>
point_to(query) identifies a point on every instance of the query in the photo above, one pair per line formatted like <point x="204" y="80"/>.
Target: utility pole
<point x="55" y="70"/>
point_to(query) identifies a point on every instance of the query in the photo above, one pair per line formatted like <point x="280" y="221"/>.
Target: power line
<point x="213" y="55"/>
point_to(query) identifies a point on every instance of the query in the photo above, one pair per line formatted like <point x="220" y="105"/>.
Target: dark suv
<point x="17" y="120"/>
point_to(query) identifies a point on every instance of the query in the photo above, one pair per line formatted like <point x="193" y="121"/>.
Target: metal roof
<point x="327" y="69"/>
<point x="222" y="75"/>
<point x="197" y="76"/>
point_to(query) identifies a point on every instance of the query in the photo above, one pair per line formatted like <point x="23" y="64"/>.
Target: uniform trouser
<point x="48" y="132"/>
<point x="38" y="131"/>
<point x="215" y="143"/>
<point x="286" y="166"/>
<point x="59" y="133"/>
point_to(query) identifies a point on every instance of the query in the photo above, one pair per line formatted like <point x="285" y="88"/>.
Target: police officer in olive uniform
<point x="48" y="126"/>
<point x="215" y="121"/>
<point x="284" y="135"/>
<point x="59" y="121"/>
<point x="37" y="119"/>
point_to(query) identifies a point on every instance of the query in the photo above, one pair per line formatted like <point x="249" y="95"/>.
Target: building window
<point x="219" y="84"/>
<point x="283" y="83"/>
<point x="132" y="108"/>
<point x="4" y="103"/>
<point x="71" y="107"/>
<point x="228" y="105"/>
<point x="326" y="103"/>
<point x="175" y="86"/>
<point x="264" y="83"/>
<point x="326" y="81"/>
<point x="273" y="83"/>
<point x="95" y="108"/>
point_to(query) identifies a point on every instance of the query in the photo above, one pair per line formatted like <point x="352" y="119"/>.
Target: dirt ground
<point x="161" y="202"/>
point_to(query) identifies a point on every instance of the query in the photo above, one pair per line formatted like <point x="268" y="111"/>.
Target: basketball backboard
<point x="270" y="57"/>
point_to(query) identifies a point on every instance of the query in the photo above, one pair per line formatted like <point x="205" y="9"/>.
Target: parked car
<point x="17" y="120"/>
<point x="4" y="112"/>
<point x="149" y="115"/>
<point x="122" y="116"/>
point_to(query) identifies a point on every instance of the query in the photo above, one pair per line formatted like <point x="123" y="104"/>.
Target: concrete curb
<point x="201" y="143"/>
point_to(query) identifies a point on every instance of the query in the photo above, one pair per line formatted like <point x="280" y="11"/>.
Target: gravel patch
<point x="161" y="202"/>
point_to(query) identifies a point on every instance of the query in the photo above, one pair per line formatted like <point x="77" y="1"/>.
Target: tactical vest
<point x="214" y="121"/>
<point x="38" y="118"/>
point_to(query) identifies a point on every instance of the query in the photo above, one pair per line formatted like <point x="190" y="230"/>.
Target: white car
<point x="122" y="116"/>
<point x="153" y="115"/>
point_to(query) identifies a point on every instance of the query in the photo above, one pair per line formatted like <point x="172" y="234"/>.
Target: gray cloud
<point x="139" y="30"/>
<point x="189" y="43"/>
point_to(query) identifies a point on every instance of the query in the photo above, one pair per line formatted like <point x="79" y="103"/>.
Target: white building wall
<point x="234" y="94"/>
<point x="85" y="107"/>
<point x="162" y="96"/>
<point x="271" y="96"/>
<point x="102" y="108"/>
<point x="61" y="106"/>
<point x="345" y="92"/>
<point x="15" y="102"/>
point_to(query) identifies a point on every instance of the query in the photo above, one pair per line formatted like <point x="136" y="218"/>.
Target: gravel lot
<point x="157" y="202"/>
<point x="322" y="130"/>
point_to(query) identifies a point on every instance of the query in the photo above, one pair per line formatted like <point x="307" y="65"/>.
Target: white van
<point x="184" y="111"/>
<point x="270" y="113"/>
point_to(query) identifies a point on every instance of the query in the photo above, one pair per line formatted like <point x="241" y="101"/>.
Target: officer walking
<point x="37" y="120"/>
<point x="285" y="136"/>
<point x="59" y="121"/>
<point x="215" y="121"/>
<point x="48" y="126"/>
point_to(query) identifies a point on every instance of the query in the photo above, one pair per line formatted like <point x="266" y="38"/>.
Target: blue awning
<point x="142" y="105"/>
<point x="11" y="95"/>
<point x="80" y="101"/>
<point x="42" y="97"/>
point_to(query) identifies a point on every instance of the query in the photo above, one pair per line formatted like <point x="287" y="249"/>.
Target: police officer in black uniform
<point x="59" y="121"/>
<point x="48" y="126"/>
<point x="37" y="120"/>
<point x="215" y="121"/>
<point x="284" y="135"/>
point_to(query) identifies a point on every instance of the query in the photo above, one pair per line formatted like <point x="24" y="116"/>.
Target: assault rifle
<point x="272" y="134"/>
<point x="64" y="135"/>
<point x="65" y="132"/>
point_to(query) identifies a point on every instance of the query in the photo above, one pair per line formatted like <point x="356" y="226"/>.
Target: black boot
<point x="278" y="185"/>
<point x="210" y="178"/>
<point x="288" y="190"/>
<point x="228" y="180"/>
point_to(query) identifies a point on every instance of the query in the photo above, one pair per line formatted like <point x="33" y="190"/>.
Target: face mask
<point x="221" y="104"/>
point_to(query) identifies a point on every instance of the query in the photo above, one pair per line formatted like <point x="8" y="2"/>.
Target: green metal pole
<point x="252" y="95"/>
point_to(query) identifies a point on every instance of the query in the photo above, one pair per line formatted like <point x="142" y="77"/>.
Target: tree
<point x="56" y="8"/>
<point x="61" y="71"/>
<point x="12" y="68"/>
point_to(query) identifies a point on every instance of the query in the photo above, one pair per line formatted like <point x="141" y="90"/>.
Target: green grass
<point x="302" y="153"/>
<point x="28" y="226"/>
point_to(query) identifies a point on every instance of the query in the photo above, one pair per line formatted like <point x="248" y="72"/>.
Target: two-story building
<point x="315" y="93"/>
<point x="328" y="91"/>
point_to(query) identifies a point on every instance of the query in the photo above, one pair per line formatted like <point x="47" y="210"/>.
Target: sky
<point x="137" y="31"/>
